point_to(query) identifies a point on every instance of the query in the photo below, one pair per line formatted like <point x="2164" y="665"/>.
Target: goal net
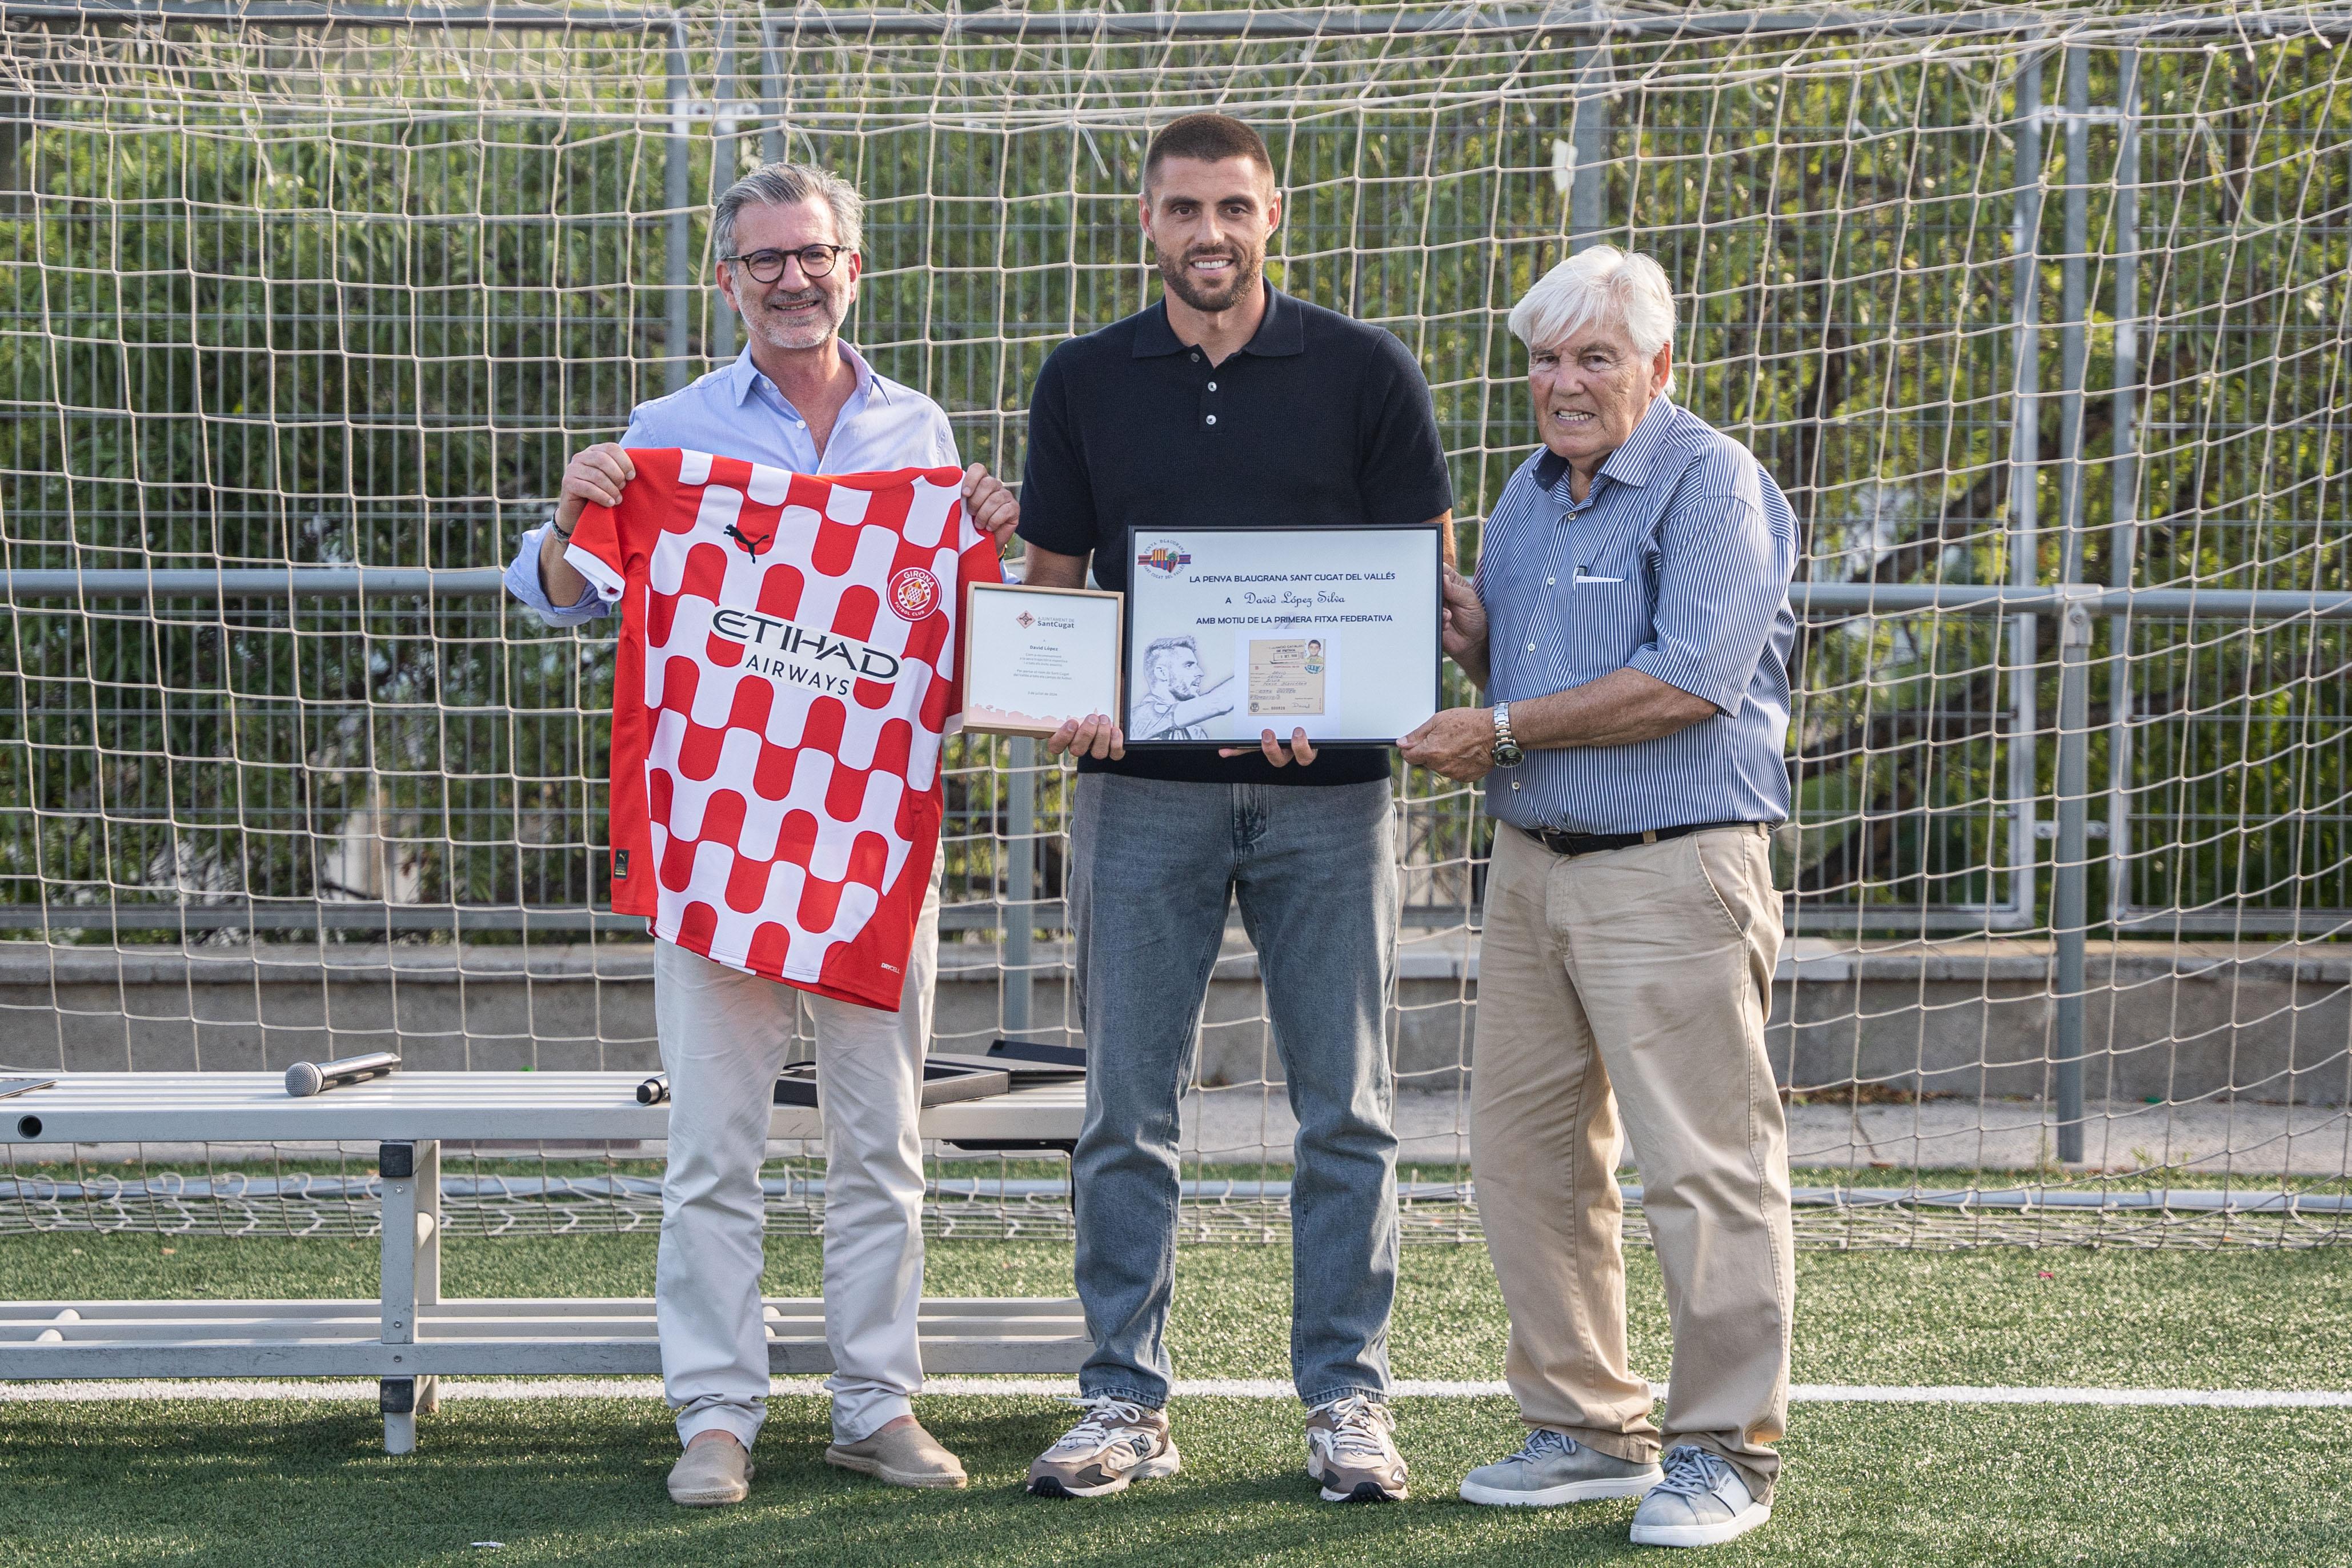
<point x="2038" y="317"/>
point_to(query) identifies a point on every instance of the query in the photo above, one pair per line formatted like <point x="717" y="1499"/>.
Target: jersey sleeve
<point x="976" y="561"/>
<point x="600" y="545"/>
<point x="595" y="550"/>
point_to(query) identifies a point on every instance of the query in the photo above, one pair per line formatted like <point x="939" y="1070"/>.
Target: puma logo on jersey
<point x="751" y="547"/>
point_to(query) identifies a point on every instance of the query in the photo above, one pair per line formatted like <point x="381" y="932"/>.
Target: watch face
<point x="1507" y="753"/>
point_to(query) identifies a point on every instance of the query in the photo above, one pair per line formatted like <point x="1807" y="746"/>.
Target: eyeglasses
<point x="768" y="266"/>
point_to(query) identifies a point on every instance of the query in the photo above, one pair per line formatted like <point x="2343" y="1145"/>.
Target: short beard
<point x="1248" y="268"/>
<point x="772" y="330"/>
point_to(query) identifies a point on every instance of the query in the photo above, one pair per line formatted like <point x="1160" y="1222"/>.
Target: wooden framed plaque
<point x="1037" y="657"/>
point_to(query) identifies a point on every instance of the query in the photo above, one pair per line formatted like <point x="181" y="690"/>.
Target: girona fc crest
<point x="914" y="593"/>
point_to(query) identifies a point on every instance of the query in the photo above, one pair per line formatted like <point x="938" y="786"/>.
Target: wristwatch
<point x="1507" y="751"/>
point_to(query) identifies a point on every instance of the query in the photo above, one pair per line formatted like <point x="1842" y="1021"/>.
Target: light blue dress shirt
<point x="1676" y="563"/>
<point x="737" y="412"/>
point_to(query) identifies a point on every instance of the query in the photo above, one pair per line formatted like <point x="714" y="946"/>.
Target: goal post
<point x="2038" y="318"/>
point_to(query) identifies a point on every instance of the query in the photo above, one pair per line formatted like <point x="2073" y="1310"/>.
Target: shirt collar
<point x="1153" y="335"/>
<point x="1630" y="463"/>
<point x="868" y="383"/>
<point x="1281" y="332"/>
<point x="743" y="375"/>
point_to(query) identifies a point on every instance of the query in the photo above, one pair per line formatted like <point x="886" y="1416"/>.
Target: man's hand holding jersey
<point x="595" y="476"/>
<point x="991" y="505"/>
<point x="592" y="477"/>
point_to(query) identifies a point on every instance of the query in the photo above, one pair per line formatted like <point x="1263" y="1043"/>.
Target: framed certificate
<point x="1234" y="630"/>
<point x="1034" y="657"/>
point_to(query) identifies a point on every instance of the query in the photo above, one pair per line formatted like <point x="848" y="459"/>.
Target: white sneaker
<point x="1703" y="1501"/>
<point x="1116" y="1443"/>
<point x="1351" y="1454"/>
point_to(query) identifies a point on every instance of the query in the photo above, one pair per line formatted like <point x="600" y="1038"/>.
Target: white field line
<point x="237" y="1390"/>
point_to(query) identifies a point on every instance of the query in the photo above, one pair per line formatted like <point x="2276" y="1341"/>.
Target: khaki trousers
<point x="724" y="1036"/>
<point x="1636" y="981"/>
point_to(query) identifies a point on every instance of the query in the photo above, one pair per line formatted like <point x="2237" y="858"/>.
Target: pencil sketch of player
<point x="1174" y="706"/>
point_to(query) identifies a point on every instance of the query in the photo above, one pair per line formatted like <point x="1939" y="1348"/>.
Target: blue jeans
<point x="1157" y="864"/>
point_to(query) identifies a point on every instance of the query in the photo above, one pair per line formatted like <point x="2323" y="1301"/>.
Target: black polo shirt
<point x="1318" y="419"/>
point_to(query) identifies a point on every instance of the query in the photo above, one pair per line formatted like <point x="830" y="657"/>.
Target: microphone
<point x="308" y="1078"/>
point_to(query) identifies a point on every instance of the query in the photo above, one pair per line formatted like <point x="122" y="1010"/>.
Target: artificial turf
<point x="579" y="1481"/>
<point x="2239" y="1318"/>
<point x="566" y="1482"/>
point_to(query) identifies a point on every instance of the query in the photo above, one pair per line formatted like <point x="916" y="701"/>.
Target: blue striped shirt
<point x="1676" y="563"/>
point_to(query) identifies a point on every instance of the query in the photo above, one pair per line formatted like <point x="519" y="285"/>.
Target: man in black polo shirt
<point x="1228" y="403"/>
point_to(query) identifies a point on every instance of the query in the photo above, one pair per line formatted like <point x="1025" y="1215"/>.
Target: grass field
<point x="579" y="1480"/>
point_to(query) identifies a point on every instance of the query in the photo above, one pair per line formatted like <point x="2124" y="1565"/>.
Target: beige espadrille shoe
<point x="904" y="1455"/>
<point x="708" y="1475"/>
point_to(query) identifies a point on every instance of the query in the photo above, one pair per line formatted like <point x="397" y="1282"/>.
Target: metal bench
<point x="410" y="1336"/>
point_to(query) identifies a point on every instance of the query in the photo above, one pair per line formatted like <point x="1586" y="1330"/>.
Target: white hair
<point x="1600" y="284"/>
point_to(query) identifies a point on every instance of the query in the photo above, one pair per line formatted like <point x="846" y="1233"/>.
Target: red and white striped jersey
<point x="786" y="676"/>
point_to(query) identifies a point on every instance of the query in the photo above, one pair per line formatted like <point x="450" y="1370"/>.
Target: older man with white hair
<point x="1630" y="622"/>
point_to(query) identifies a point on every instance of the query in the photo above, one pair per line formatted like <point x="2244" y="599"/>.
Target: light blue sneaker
<point x="1554" y="1469"/>
<point x="1703" y="1501"/>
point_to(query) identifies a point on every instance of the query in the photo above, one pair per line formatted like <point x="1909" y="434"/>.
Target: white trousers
<point x="724" y="1034"/>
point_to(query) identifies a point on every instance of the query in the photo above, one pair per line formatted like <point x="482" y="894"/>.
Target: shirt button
<point x="1515" y="783"/>
<point x="1550" y="581"/>
<point x="1532" y="647"/>
<point x="1212" y="419"/>
<point x="1213" y="386"/>
<point x="1196" y="357"/>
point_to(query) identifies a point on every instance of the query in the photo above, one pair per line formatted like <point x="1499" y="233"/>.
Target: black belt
<point x="1593" y="843"/>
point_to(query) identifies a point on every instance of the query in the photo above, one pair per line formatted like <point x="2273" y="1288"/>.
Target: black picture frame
<point x="1134" y="534"/>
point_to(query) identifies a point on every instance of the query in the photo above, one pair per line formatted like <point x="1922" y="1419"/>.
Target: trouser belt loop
<point x="1650" y="837"/>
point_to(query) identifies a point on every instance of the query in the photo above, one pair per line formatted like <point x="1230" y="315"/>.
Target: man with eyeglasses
<point x="798" y="398"/>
